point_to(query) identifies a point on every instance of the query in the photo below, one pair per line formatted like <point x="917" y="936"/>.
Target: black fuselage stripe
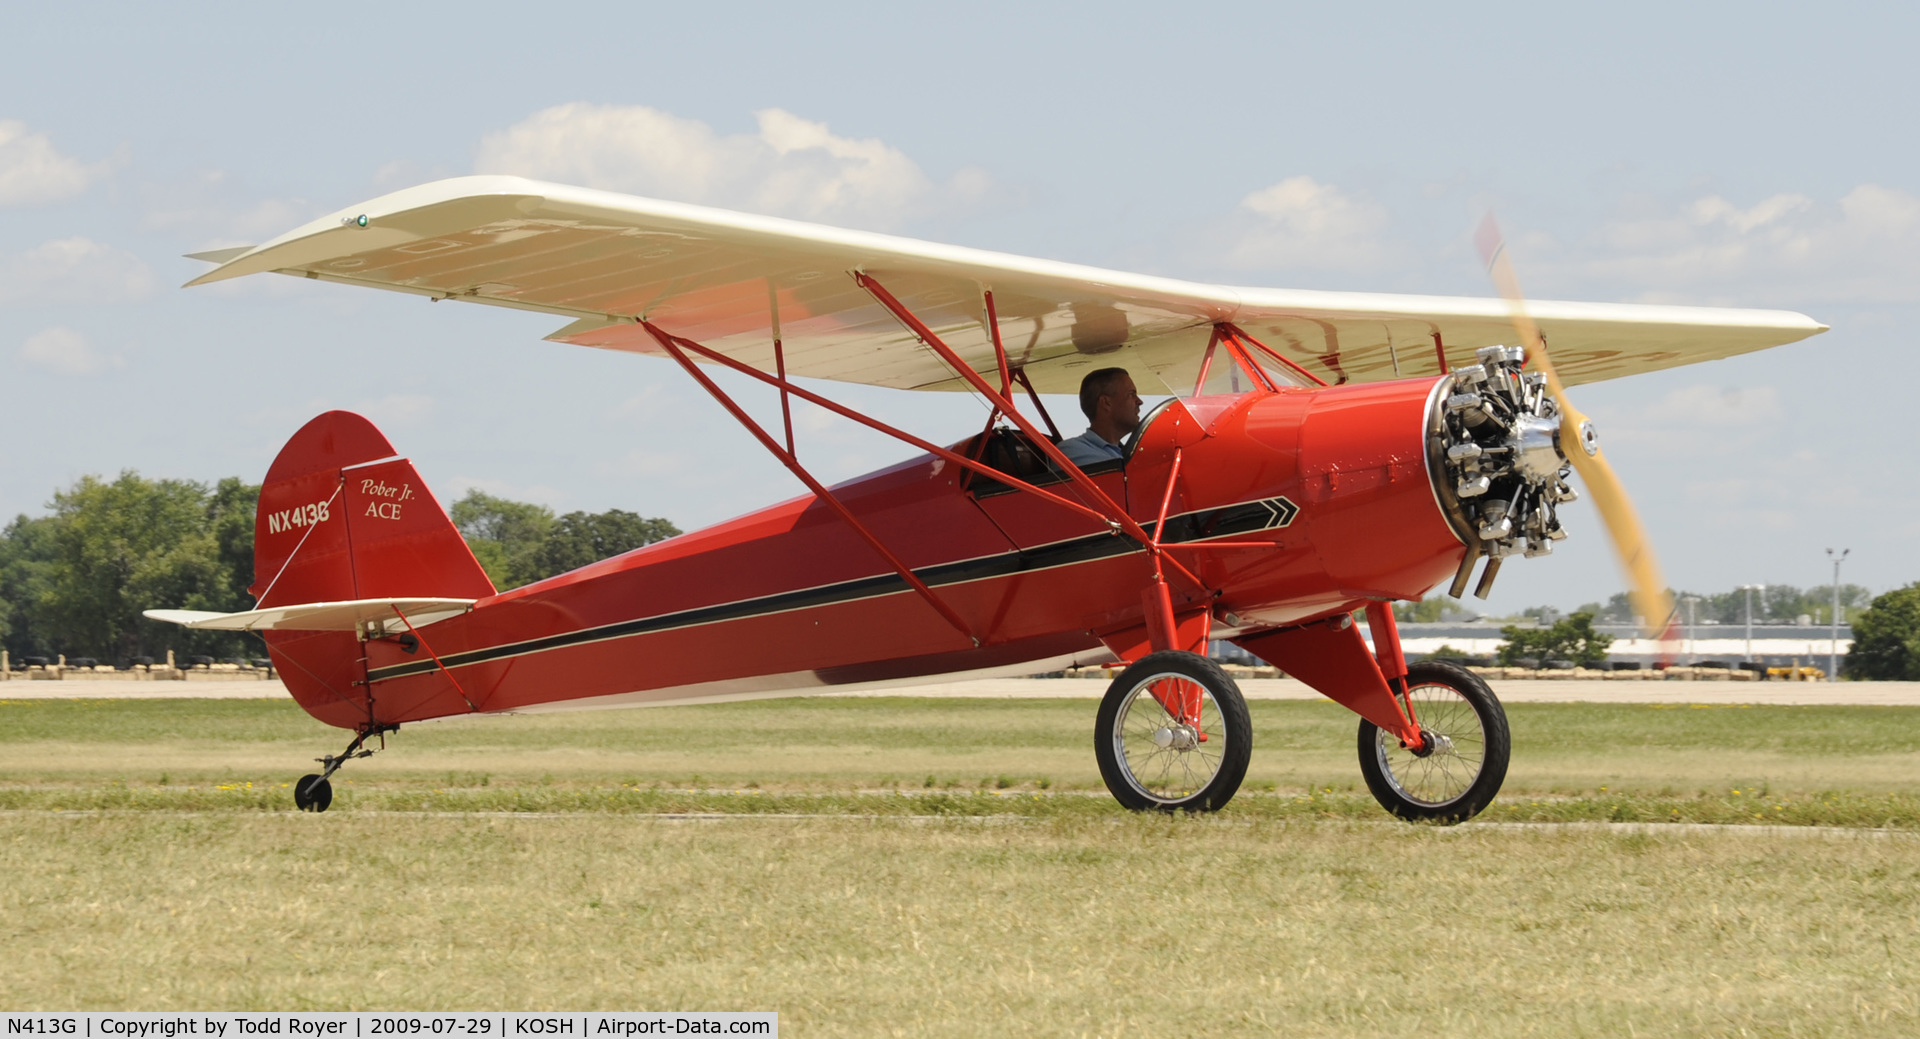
<point x="1243" y="518"/>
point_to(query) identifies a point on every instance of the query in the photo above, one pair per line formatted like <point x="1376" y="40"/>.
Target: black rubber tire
<point x="1454" y="783"/>
<point x="1220" y="748"/>
<point x="312" y="794"/>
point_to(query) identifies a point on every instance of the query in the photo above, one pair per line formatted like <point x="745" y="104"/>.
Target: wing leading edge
<point x="734" y="281"/>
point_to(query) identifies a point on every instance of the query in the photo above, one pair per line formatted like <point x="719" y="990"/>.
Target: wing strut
<point x="1236" y="332"/>
<point x="415" y="632"/>
<point x="672" y="346"/>
<point x="1099" y="507"/>
<point x="1116" y="517"/>
<point x="875" y="424"/>
<point x="1020" y="374"/>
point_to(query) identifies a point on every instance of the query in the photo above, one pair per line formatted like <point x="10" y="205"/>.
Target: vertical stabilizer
<point x="342" y="518"/>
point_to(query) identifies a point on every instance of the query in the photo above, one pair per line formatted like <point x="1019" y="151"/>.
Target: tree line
<point x="74" y="581"/>
<point x="1775" y="604"/>
<point x="1772" y="604"/>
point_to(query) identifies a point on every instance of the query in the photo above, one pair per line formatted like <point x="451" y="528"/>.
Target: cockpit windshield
<point x="1226" y="372"/>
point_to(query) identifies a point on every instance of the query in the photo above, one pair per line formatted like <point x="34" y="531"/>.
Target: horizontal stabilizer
<point x="319" y="616"/>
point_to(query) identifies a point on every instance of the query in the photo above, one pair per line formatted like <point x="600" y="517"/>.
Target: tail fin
<point x="341" y="518"/>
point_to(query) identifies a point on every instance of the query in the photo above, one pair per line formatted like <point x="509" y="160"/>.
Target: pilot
<point x="1113" y="413"/>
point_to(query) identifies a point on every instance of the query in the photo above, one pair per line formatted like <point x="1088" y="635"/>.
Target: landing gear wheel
<point x="1464" y="760"/>
<point x="312" y="793"/>
<point x="1173" y="735"/>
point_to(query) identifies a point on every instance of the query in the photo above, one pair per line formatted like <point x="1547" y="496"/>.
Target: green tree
<point x="1570" y="638"/>
<point x="26" y="569"/>
<point x="518" y="543"/>
<point x="1886" y="639"/>
<point x="506" y="536"/>
<point x="1775" y="604"/>
<point x="1433" y="608"/>
<point x="579" y="538"/>
<point x="75" y="582"/>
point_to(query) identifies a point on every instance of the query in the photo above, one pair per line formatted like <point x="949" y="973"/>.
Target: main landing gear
<point x="313" y="792"/>
<point x="1462" y="760"/>
<point x="1173" y="734"/>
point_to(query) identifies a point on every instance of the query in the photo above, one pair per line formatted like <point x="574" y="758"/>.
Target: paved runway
<point x="1517" y="691"/>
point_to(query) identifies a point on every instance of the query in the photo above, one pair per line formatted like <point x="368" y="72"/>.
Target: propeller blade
<point x="1647" y="588"/>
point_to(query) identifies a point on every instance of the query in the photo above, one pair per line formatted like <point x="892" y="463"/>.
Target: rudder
<point x="340" y="518"/>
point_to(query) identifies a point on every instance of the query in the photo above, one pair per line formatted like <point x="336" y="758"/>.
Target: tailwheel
<point x="312" y="793"/>
<point x="1173" y="734"/>
<point x="1462" y="759"/>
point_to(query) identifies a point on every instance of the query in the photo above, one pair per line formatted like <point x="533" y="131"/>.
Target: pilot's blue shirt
<point x="1088" y="448"/>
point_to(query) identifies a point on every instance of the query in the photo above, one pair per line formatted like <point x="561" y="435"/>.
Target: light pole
<point x="1833" y="642"/>
<point x="1693" y="620"/>
<point x="1750" y="589"/>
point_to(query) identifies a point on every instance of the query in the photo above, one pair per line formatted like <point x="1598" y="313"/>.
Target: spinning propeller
<point x="1648" y="591"/>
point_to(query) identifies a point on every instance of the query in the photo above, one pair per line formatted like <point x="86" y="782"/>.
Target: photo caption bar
<point x="368" y="1025"/>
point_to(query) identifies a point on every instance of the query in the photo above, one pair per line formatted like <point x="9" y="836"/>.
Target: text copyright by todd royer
<point x="598" y="1025"/>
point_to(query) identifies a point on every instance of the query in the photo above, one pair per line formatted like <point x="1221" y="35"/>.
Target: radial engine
<point x="1498" y="466"/>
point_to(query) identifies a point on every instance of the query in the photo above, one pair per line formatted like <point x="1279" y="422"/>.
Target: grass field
<point x="946" y="867"/>
<point x="1851" y="766"/>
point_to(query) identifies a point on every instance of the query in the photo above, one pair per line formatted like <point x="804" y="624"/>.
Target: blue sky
<point x="1752" y="155"/>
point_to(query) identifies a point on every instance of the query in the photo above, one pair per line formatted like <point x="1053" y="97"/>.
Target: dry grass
<point x="836" y="745"/>
<point x="1110" y="926"/>
<point x="185" y="884"/>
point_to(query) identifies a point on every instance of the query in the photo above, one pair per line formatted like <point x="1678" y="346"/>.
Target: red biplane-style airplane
<point x="1323" y="454"/>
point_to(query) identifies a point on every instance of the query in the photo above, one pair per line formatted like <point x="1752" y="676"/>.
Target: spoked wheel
<point x="1173" y="734"/>
<point x="1464" y="760"/>
<point x="311" y="793"/>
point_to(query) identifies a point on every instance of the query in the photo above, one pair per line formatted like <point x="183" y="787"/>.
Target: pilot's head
<point x="1111" y="404"/>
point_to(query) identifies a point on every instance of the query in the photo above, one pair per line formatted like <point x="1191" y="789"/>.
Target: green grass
<point x="1125" y="925"/>
<point x="952" y="867"/>
<point x="1854" y="766"/>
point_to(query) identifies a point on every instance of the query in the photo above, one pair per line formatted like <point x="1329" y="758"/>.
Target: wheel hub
<point x="1175" y="737"/>
<point x="1432" y="743"/>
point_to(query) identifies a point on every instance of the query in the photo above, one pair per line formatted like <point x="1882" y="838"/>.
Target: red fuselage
<point x="1326" y="492"/>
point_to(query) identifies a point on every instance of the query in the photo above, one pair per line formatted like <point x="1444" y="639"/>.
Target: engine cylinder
<point x="1493" y="449"/>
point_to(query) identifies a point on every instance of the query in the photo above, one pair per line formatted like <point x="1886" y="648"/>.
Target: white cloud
<point x="1864" y="247"/>
<point x="63" y="351"/>
<point x="1717" y="407"/>
<point x="33" y="170"/>
<point x="211" y="210"/>
<point x="790" y="167"/>
<point x="1301" y="222"/>
<point x="1698" y="422"/>
<point x="74" y="270"/>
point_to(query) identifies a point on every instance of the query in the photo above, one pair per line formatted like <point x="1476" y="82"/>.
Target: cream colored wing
<point x="732" y="281"/>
